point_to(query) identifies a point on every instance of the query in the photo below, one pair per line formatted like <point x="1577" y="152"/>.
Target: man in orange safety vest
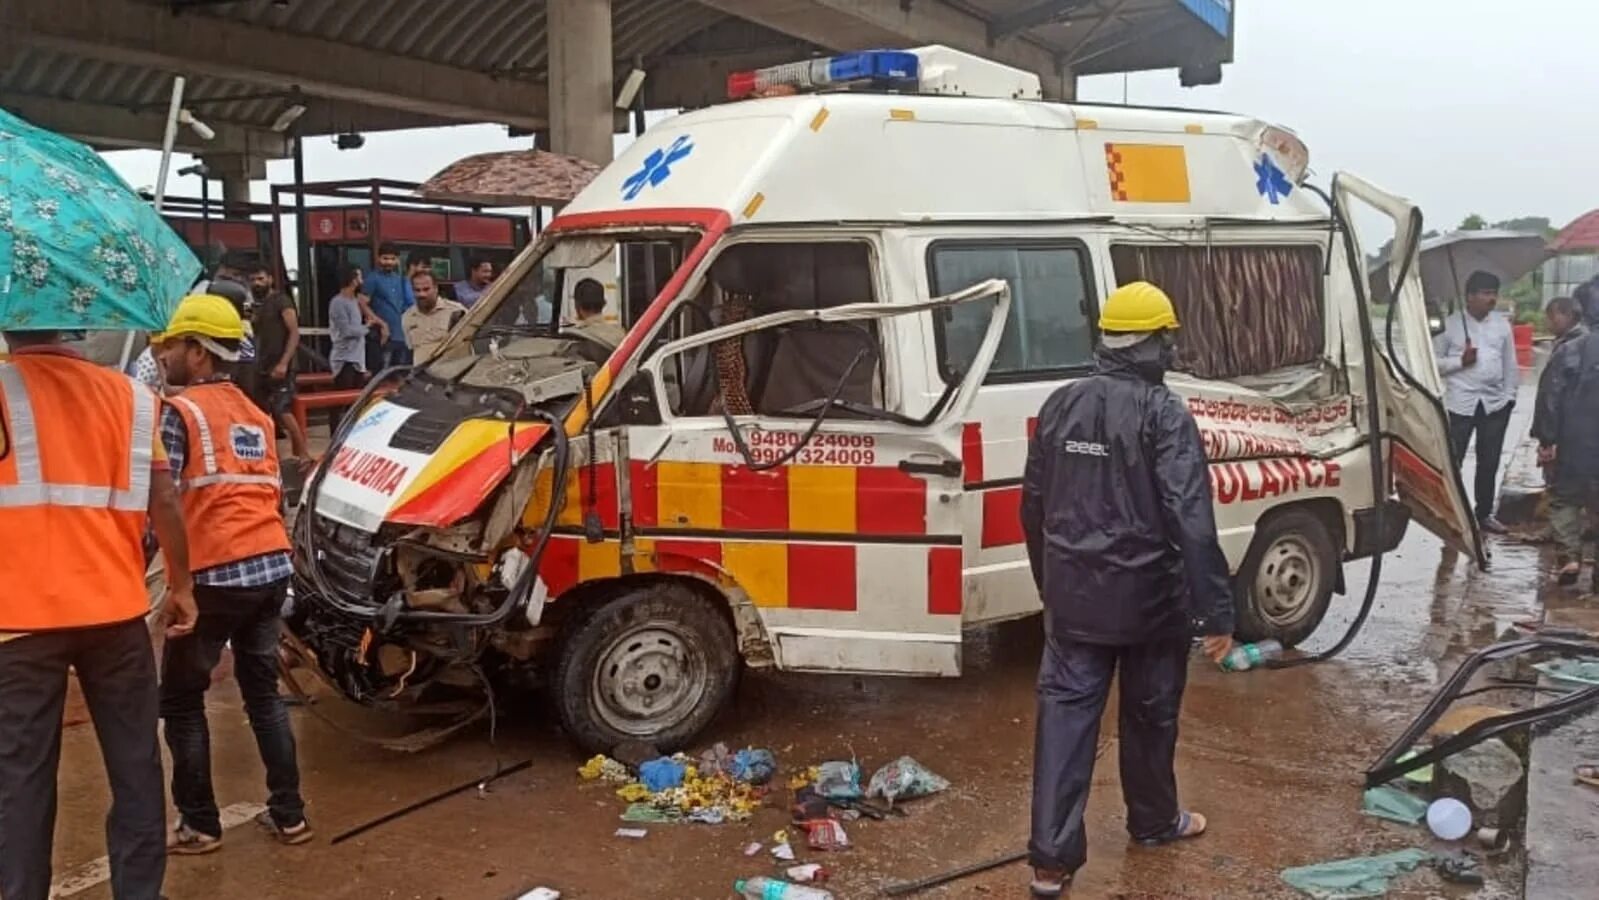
<point x="224" y="453"/>
<point x="81" y="473"/>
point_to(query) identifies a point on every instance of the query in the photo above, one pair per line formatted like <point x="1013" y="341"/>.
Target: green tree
<point x="1473" y="222"/>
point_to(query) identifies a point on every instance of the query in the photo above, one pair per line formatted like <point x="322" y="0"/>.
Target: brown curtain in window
<point x="1244" y="310"/>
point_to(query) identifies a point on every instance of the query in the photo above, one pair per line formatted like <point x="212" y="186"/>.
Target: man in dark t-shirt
<point x="277" y="339"/>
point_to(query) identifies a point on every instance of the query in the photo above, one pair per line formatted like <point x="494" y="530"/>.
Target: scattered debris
<point x="1449" y="819"/>
<point x="752" y="848"/>
<point x="1422" y="775"/>
<point x="1394" y="805"/>
<point x="839" y="780"/>
<point x="906" y="888"/>
<point x="632" y="833"/>
<point x="604" y="768"/>
<point x="662" y="774"/>
<point x="1356" y="877"/>
<point x="1489" y="770"/>
<point x="826" y="834"/>
<point x="643" y="812"/>
<point x="1572" y="671"/>
<point x="904" y="778"/>
<point x="783" y="851"/>
<point x="806" y="874"/>
<point x="1458" y="870"/>
<point x="540" y="893"/>
<point x="772" y="889"/>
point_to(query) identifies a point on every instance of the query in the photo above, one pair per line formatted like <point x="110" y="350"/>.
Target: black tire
<point x="1286" y="583"/>
<point x="649" y="645"/>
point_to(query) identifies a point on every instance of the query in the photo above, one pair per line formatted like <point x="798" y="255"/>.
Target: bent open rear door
<point x="1414" y="420"/>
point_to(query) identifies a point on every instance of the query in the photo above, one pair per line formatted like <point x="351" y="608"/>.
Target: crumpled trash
<point x="1353" y="878"/>
<point x="541" y="893"/>
<point x="1572" y="671"/>
<point x="826" y="834"/>
<point x="1394" y="805"/>
<point x="604" y="768"/>
<point x="781" y="848"/>
<point x="662" y="774"/>
<point x="634" y="834"/>
<point x="904" y="779"/>
<point x="644" y="812"/>
<point x="633" y="793"/>
<point x="805" y="874"/>
<point x="839" y="780"/>
<point x="752" y="766"/>
<point x="708" y="815"/>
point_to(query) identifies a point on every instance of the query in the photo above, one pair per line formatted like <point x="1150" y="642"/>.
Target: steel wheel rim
<point x="1286" y="581"/>
<point x="649" y="678"/>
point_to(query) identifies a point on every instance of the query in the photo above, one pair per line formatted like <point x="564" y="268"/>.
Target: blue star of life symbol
<point x="657" y="167"/>
<point x="1270" y="181"/>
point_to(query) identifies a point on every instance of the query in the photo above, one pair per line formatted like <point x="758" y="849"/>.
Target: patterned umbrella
<point x="78" y="248"/>
<point x="512" y="178"/>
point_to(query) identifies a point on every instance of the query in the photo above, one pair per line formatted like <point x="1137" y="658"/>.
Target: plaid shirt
<point x="254" y="571"/>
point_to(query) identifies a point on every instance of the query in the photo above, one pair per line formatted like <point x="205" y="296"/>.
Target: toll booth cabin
<point x="346" y="221"/>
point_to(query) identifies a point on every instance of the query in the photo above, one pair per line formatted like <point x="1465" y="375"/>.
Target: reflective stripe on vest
<point x="32" y="490"/>
<point x="208" y="455"/>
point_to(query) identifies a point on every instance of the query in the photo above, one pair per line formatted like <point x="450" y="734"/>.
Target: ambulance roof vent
<point x="935" y="69"/>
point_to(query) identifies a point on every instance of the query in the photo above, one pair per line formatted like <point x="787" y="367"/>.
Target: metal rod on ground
<point x="429" y="801"/>
<point x="906" y="888"/>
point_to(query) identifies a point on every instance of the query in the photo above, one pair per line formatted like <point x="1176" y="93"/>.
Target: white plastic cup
<point x="1449" y="819"/>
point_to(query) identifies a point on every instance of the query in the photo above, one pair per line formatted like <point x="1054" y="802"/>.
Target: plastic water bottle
<point x="773" y="889"/>
<point x="1249" y="656"/>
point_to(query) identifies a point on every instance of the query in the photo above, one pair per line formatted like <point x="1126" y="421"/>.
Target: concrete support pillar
<point x="235" y="171"/>
<point x="582" y="120"/>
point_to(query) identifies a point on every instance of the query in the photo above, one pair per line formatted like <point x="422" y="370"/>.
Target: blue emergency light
<point x="878" y="69"/>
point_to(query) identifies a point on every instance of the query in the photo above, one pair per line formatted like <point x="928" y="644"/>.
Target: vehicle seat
<point x="807" y="362"/>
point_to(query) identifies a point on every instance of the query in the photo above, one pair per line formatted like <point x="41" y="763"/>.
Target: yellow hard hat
<point x="206" y="315"/>
<point x="1139" y="306"/>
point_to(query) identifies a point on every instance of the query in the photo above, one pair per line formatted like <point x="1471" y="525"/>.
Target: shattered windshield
<point x="560" y="311"/>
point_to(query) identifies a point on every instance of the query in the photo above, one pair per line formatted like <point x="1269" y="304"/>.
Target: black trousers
<point x="116" y="671"/>
<point x="249" y="619"/>
<point x="1073" y="685"/>
<point x="1490" y="429"/>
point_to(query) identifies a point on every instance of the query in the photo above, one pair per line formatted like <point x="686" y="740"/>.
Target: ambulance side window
<point x="1050" y="332"/>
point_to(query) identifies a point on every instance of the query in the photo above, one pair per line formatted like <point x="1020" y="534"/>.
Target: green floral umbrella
<point x="78" y="248"/>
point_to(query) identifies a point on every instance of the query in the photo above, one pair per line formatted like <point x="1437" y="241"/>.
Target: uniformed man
<point x="225" y="458"/>
<point x="1121" y="534"/>
<point x="82" y="471"/>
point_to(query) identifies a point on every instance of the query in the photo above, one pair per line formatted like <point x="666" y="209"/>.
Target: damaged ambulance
<point x="843" y="306"/>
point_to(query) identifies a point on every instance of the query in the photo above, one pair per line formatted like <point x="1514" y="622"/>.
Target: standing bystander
<point x="390" y="293"/>
<point x="1558" y="424"/>
<point x="479" y="275"/>
<point x="277" y="340"/>
<point x="1477" y="357"/>
<point x="428" y="323"/>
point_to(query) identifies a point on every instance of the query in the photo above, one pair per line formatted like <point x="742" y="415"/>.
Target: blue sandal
<point x="1188" y="825"/>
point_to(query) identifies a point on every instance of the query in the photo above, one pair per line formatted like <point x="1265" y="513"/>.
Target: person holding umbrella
<point x="82" y="471"/>
<point x="1477" y="358"/>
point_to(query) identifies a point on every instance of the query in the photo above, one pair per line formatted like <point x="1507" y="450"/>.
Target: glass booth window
<point x="1050" y="330"/>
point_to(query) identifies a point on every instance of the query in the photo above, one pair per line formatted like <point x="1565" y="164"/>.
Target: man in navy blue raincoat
<point x="1121" y="534"/>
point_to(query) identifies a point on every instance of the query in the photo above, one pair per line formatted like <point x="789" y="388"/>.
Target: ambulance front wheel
<point x="653" y="663"/>
<point x="1285" y="585"/>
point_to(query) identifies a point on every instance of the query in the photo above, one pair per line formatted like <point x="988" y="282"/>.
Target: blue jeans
<point x="248" y="618"/>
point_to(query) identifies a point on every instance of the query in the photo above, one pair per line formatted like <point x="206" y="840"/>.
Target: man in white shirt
<point x="1477" y="357"/>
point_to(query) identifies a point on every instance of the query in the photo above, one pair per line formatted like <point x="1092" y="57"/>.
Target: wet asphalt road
<point x="1274" y="759"/>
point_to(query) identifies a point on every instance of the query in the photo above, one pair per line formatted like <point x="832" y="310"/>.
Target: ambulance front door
<point x="1414" y="422"/>
<point x="838" y="523"/>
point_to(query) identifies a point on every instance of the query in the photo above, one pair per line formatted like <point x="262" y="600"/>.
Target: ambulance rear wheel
<point x="1285" y="585"/>
<point x="654" y="663"/>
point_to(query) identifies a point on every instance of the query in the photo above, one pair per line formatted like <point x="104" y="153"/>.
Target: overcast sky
<point x="1462" y="105"/>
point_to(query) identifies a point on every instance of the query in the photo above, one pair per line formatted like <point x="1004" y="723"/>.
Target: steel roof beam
<point x="146" y="35"/>
<point x="114" y="126"/>
<point x="1033" y="16"/>
<point x="870" y="24"/>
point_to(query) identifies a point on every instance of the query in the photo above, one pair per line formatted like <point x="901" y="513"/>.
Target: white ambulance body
<point x="877" y="291"/>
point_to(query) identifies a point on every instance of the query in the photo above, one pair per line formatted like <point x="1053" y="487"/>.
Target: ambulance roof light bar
<point x="933" y="69"/>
